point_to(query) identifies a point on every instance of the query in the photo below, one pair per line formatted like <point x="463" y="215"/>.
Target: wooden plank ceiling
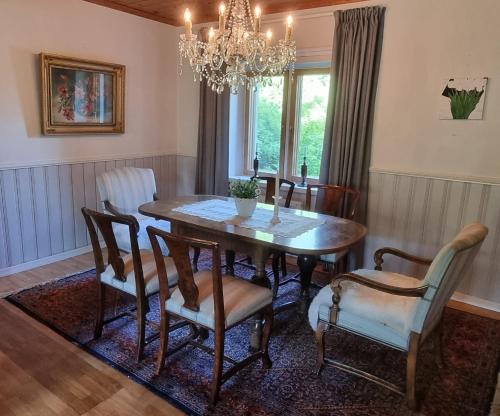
<point x="171" y="11"/>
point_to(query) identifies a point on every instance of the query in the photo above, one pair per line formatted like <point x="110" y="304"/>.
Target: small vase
<point x="245" y="207"/>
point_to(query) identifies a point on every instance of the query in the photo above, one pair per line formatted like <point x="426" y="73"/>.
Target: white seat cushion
<point x="334" y="257"/>
<point x="241" y="300"/>
<point x="122" y="234"/>
<point x="370" y="312"/>
<point x="151" y="283"/>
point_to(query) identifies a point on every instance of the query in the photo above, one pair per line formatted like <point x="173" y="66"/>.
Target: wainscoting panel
<point x="40" y="206"/>
<point x="420" y="214"/>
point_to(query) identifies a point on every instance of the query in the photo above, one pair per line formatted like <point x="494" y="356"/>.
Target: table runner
<point x="220" y="210"/>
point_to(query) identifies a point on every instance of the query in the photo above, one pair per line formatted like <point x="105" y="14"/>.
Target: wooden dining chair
<point x="133" y="273"/>
<point x="393" y="309"/>
<point x="208" y="300"/>
<point x="338" y="201"/>
<point x="279" y="258"/>
<point x="330" y="200"/>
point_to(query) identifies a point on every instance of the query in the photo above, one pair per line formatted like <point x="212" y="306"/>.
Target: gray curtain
<point x="212" y="163"/>
<point x="357" y="48"/>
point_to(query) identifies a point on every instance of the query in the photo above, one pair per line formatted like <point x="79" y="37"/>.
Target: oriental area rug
<point x="465" y="385"/>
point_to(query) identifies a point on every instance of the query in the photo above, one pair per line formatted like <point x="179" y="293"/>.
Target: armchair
<point x="122" y="191"/>
<point x="393" y="309"/>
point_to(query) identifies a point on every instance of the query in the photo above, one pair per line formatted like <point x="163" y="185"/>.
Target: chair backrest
<point x="331" y="199"/>
<point x="270" y="189"/>
<point x="179" y="250"/>
<point x="104" y="224"/>
<point x="445" y="273"/>
<point x="127" y="188"/>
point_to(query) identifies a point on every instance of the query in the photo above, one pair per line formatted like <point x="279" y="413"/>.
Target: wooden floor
<point x="43" y="374"/>
<point x="18" y="281"/>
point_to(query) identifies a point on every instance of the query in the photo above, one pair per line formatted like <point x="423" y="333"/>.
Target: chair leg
<point x="218" y="365"/>
<point x="101" y="295"/>
<point x="162" y="354"/>
<point x="320" y="343"/>
<point x="438" y="344"/>
<point x="266" y="333"/>
<point x="276" y="274"/>
<point x="284" y="271"/>
<point x="196" y="256"/>
<point x="411" y="370"/>
<point x="141" y="328"/>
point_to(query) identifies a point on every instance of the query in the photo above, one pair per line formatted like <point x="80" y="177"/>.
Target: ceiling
<point x="171" y="11"/>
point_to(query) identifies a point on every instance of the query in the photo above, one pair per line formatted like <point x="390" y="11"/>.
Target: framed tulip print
<point x="81" y="96"/>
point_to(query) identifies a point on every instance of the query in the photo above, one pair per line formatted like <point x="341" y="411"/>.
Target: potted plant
<point x="245" y="194"/>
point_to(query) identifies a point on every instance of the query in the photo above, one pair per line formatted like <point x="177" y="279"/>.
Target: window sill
<point x="298" y="189"/>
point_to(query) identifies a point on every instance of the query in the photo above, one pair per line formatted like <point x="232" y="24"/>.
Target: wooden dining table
<point x="331" y="235"/>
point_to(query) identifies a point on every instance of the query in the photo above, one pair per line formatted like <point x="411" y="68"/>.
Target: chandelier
<point x="238" y="53"/>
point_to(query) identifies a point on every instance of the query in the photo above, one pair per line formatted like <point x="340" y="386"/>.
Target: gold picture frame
<point x="80" y="96"/>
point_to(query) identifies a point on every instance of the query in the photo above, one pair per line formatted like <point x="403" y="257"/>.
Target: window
<point x="286" y="122"/>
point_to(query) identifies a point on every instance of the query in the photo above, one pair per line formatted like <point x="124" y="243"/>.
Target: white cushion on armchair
<point x="127" y="189"/>
<point x="368" y="311"/>
<point x="123" y="237"/>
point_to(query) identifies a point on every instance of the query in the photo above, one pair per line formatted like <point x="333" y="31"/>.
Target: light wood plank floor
<point x="26" y="279"/>
<point x="45" y="375"/>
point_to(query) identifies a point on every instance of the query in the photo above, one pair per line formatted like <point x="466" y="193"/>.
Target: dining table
<point x="303" y="233"/>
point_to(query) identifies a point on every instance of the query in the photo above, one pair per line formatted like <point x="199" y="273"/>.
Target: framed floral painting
<point x="81" y="96"/>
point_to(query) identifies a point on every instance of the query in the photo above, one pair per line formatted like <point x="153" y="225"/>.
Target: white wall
<point x="425" y="41"/>
<point x="80" y="29"/>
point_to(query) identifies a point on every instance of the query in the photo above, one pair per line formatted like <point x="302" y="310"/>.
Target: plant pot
<point x="245" y="207"/>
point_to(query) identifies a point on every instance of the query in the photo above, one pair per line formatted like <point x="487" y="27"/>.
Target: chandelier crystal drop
<point x="238" y="53"/>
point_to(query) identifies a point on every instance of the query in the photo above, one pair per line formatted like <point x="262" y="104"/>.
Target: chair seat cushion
<point x="375" y="314"/>
<point x="123" y="237"/>
<point x="241" y="300"/>
<point x="149" y="270"/>
<point x="334" y="257"/>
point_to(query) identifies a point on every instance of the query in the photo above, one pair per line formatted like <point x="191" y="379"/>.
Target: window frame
<point x="294" y="119"/>
<point x="289" y="138"/>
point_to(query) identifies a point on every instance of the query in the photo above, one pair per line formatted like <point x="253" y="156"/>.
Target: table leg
<point x="306" y="265"/>
<point x="260" y="279"/>
<point x="230" y="255"/>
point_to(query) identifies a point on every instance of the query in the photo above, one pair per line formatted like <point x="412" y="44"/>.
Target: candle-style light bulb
<point x="211" y="35"/>
<point x="258" y="14"/>
<point x="188" y="25"/>
<point x="269" y="37"/>
<point x="222" y="19"/>
<point x="288" y="33"/>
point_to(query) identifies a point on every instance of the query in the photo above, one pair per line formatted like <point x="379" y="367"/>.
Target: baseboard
<point x="475" y="305"/>
<point x="44" y="261"/>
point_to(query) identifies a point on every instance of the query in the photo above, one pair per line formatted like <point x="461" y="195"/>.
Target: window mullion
<point x="290" y="128"/>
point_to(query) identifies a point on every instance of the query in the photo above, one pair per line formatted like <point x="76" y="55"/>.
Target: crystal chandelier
<point x="237" y="53"/>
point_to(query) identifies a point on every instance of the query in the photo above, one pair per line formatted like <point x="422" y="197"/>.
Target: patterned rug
<point x="465" y="386"/>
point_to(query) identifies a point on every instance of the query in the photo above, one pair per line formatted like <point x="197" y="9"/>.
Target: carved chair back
<point x="127" y="188"/>
<point x="331" y="199"/>
<point x="104" y="223"/>
<point x="179" y="247"/>
<point x="270" y="188"/>
<point x="445" y="273"/>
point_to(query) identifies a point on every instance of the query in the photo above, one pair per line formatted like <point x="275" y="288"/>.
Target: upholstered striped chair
<point x="122" y="191"/>
<point x="209" y="300"/>
<point x="134" y="273"/>
<point x="393" y="309"/>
